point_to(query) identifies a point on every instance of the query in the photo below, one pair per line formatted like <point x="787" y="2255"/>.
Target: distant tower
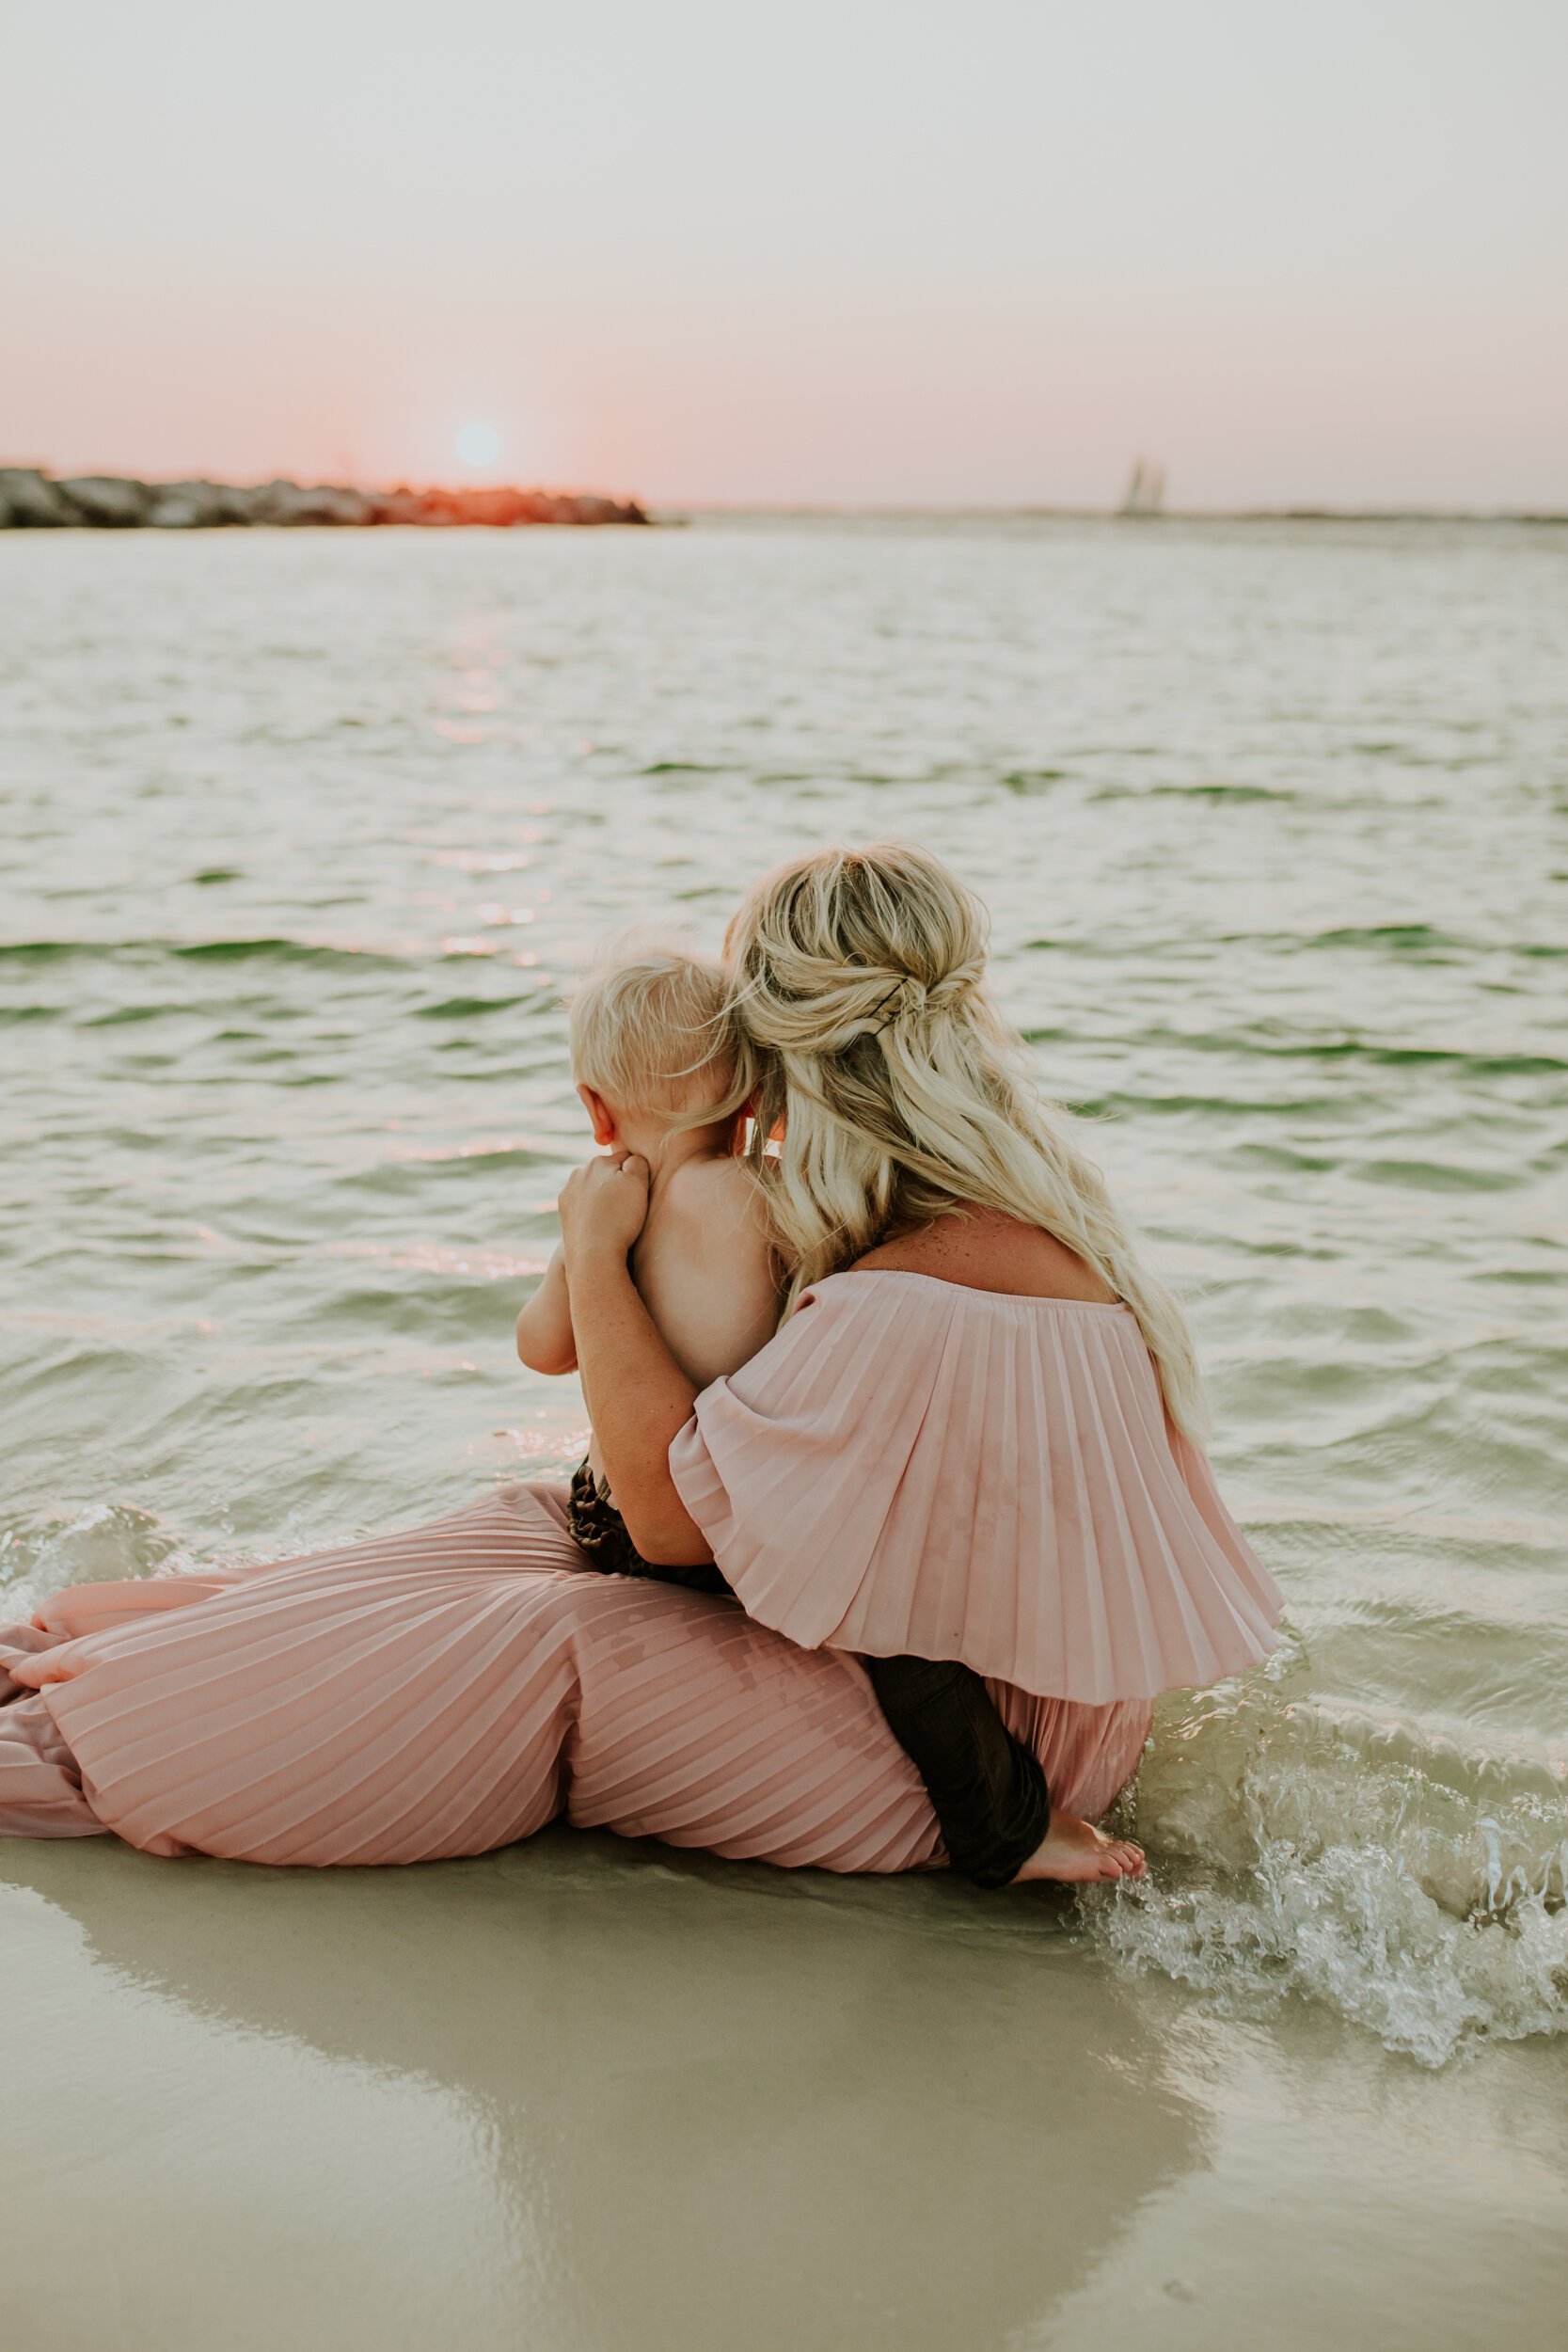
<point x="1146" y="491"/>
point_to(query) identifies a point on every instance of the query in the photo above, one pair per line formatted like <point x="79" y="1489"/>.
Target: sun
<point x="479" y="445"/>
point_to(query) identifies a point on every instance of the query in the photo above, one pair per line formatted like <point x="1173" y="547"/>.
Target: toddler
<point x="658" y="1069"/>
<point x="656" y="1065"/>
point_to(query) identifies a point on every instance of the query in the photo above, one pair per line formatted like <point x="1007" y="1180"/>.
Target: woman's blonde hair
<point x="898" y="1091"/>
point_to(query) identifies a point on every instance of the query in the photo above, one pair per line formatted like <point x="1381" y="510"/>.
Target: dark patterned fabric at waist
<point x="600" y="1533"/>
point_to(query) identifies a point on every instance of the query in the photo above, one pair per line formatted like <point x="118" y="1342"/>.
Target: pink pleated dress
<point x="911" y="1465"/>
<point x="908" y="1467"/>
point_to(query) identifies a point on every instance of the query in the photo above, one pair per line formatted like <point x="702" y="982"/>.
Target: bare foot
<point x="1074" y="1850"/>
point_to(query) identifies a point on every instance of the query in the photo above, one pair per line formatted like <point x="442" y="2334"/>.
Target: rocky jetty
<point x="32" y="500"/>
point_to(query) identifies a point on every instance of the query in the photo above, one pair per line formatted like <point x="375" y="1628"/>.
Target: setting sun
<point x="479" y="445"/>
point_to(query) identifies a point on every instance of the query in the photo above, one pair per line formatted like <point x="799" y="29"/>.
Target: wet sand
<point x="599" y="2098"/>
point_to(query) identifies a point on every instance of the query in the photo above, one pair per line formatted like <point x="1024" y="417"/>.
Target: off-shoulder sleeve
<point x="911" y="1467"/>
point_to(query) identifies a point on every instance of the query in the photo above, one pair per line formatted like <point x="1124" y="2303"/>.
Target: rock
<point x="442" y="506"/>
<point x="590" y="509"/>
<point x="502" y="508"/>
<point x="29" y="500"/>
<point x="499" y="509"/>
<point x="411" y="506"/>
<point x="108" y="502"/>
<point x="402" y="505"/>
<point x="290" y="504"/>
<point x="187" y="506"/>
<point x="238" y="504"/>
<point x="274" y="501"/>
<point x="32" y="500"/>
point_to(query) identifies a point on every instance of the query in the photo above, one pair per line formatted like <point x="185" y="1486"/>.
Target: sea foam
<point x="1297" y="1849"/>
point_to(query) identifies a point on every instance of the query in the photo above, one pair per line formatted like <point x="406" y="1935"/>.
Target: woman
<point x="973" y="1440"/>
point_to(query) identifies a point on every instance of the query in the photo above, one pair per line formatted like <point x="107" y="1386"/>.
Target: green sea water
<point x="303" y="835"/>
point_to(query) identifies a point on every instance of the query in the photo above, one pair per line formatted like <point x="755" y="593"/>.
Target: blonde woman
<point x="973" y="1442"/>
<point x="664" y="1072"/>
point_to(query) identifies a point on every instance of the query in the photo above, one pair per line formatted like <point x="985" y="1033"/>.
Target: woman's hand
<point x="604" y="1206"/>
<point x="638" y="1397"/>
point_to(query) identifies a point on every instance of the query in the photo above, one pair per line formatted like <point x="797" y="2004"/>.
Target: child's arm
<point x="544" y="1337"/>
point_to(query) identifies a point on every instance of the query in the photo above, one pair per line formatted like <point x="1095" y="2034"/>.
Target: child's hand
<point x="605" y="1205"/>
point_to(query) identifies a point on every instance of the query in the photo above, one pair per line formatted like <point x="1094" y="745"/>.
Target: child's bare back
<point x="705" y="1267"/>
<point x="652" y="1051"/>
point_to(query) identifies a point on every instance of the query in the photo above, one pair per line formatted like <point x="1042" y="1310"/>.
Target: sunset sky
<point x="906" y="251"/>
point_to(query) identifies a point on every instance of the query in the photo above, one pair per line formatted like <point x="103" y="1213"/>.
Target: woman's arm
<point x="638" y="1397"/>
<point x="544" y="1338"/>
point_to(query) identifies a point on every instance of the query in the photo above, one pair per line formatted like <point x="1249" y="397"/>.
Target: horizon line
<point x="895" y="509"/>
<point x="1050" y="511"/>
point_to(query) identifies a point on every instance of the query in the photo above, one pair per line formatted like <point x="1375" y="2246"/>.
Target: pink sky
<point x="923" y="251"/>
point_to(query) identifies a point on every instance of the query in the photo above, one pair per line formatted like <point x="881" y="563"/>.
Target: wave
<point x="273" y="950"/>
<point x="465" y="1007"/>
<point x="1418" y="942"/>
<point x="1415" y="939"/>
<point x="1302" y="1851"/>
<point x="1270" y="1042"/>
<point x="1402" y="938"/>
<point x="270" y="950"/>
<point x="1215" y="792"/>
<point x="42" y="1553"/>
<point x="1026" y="782"/>
<point x="316" y="953"/>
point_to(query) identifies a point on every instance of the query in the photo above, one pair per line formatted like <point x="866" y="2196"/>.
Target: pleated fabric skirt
<point x="452" y="1688"/>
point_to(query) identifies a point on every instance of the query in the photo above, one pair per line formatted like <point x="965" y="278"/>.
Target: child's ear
<point x="600" y="1117"/>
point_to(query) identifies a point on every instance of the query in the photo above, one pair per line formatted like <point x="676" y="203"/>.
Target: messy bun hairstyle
<point x="898" y="1091"/>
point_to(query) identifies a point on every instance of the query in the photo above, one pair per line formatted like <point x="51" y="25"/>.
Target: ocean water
<point x="303" y="835"/>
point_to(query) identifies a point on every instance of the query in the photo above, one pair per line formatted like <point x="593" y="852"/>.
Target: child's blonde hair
<point x="900" y="1092"/>
<point x="651" y="1029"/>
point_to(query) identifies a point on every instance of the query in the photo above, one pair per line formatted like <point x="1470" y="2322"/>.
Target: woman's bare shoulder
<point x="980" y="1250"/>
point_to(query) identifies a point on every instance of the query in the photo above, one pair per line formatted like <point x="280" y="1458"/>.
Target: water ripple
<point x="1285" y="909"/>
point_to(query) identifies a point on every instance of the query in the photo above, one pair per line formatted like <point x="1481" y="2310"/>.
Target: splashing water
<point x="1296" y="1850"/>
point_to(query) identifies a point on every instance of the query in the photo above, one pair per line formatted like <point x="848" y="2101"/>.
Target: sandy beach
<point x="587" y="2096"/>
